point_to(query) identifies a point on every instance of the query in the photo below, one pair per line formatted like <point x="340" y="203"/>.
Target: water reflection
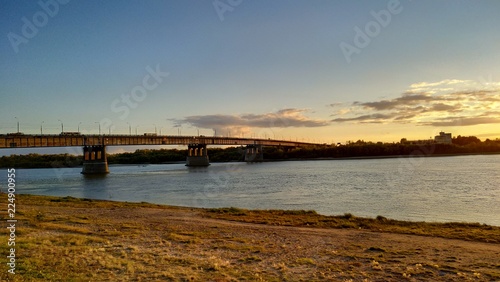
<point x="96" y="186"/>
<point x="197" y="169"/>
<point x="94" y="176"/>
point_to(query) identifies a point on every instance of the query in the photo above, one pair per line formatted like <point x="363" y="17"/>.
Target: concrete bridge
<point x="94" y="146"/>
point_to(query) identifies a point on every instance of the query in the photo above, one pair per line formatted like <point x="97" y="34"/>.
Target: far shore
<point x="384" y="157"/>
<point x="66" y="238"/>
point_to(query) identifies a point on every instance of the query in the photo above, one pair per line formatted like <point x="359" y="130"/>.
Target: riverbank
<point x="81" y="240"/>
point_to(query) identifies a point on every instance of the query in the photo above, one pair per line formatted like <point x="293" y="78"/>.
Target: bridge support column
<point x="197" y="155"/>
<point x="94" y="160"/>
<point x="254" y="153"/>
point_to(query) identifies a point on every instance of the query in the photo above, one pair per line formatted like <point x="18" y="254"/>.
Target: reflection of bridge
<point x="94" y="146"/>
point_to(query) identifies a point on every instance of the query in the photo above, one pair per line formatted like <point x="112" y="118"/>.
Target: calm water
<point x="463" y="188"/>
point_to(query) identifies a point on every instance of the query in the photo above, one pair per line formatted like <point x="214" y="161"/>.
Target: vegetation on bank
<point x="297" y="218"/>
<point x="360" y="148"/>
<point x="40" y="161"/>
<point x="461" y="145"/>
<point x="309" y="218"/>
<point x="160" y="156"/>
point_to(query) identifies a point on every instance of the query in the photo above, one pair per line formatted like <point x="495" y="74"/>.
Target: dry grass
<point x="68" y="239"/>
<point x="302" y="218"/>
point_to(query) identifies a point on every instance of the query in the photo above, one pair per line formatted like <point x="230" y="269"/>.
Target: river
<point x="458" y="188"/>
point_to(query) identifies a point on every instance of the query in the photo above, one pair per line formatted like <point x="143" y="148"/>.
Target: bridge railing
<point x="61" y="140"/>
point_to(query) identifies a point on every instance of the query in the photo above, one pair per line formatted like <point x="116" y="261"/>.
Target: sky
<point x="317" y="71"/>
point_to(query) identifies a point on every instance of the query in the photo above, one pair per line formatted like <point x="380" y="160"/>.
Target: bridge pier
<point x="94" y="160"/>
<point x="254" y="153"/>
<point x="197" y="155"/>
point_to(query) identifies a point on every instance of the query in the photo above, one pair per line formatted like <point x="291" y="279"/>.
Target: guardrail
<point x="61" y="140"/>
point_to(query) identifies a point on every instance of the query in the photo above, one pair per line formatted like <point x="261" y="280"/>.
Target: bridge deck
<point x="30" y="141"/>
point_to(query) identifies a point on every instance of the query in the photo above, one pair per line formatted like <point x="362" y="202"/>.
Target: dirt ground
<point x="105" y="241"/>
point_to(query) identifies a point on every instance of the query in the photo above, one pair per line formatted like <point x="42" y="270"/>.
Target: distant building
<point x="443" y="138"/>
<point x="416" y="142"/>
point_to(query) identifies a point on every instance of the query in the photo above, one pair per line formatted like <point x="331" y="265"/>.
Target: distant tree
<point x="360" y="142"/>
<point x="463" y="140"/>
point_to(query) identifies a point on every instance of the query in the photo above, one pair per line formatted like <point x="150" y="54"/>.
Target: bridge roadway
<point x="62" y="140"/>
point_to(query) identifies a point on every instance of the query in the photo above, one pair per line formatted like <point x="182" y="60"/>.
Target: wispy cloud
<point x="442" y="85"/>
<point x="373" y="118"/>
<point x="449" y="102"/>
<point x="464" y="121"/>
<point x="407" y="99"/>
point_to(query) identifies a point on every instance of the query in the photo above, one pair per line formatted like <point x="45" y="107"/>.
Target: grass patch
<point x="305" y="261"/>
<point x="183" y="238"/>
<point x="250" y="259"/>
<point x="64" y="228"/>
<point x="232" y="211"/>
<point x="376" y="249"/>
<point x="302" y="218"/>
<point x="240" y="247"/>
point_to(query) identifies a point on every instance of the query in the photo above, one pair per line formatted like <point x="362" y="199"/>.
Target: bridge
<point x="94" y="146"/>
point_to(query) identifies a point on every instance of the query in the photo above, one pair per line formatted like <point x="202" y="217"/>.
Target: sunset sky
<point x="319" y="71"/>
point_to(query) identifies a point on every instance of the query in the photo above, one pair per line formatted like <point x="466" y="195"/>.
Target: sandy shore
<point x="62" y="239"/>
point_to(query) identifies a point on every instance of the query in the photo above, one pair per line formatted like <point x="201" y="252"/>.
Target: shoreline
<point x="105" y="240"/>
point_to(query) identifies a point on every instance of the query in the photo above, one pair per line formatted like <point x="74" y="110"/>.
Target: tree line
<point x="460" y="145"/>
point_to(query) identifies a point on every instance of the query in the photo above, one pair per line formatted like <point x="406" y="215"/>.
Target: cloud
<point x="336" y="104"/>
<point x="405" y="99"/>
<point x="465" y="121"/>
<point x="440" y="107"/>
<point x="439" y="83"/>
<point x="448" y="102"/>
<point x="290" y="117"/>
<point x="373" y="118"/>
<point x="443" y="85"/>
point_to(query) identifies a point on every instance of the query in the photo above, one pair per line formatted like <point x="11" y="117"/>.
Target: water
<point x="462" y="188"/>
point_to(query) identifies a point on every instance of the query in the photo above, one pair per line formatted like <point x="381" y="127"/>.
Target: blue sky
<point x="252" y="68"/>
